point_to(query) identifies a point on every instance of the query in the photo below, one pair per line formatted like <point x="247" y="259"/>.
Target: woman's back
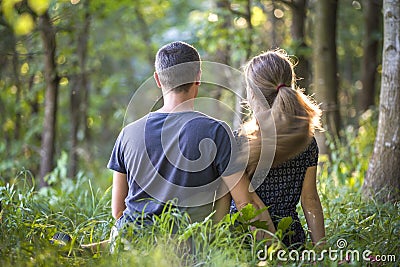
<point x="281" y="189"/>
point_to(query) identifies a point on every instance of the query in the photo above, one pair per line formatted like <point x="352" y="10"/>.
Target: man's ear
<point x="157" y="79"/>
<point x="198" y="78"/>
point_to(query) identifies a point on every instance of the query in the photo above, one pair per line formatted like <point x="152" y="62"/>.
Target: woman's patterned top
<point x="280" y="190"/>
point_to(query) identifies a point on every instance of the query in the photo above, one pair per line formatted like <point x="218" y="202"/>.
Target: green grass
<point x="30" y="218"/>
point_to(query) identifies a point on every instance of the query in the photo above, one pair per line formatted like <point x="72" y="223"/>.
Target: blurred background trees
<point x="68" y="68"/>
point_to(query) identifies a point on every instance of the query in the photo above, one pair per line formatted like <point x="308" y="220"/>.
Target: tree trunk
<point x="7" y="46"/>
<point x="383" y="175"/>
<point x="78" y="96"/>
<point x="325" y="64"/>
<point x="85" y="74"/>
<point x="250" y="31"/>
<point x="3" y="134"/>
<point x="372" y="19"/>
<point x="15" y="63"/>
<point x="298" y="35"/>
<point x="222" y="55"/>
<point x="75" y="114"/>
<point x="34" y="102"/>
<point x="273" y="20"/>
<point x="47" y="151"/>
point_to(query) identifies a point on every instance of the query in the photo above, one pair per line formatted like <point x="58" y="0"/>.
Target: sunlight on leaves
<point x="24" y="68"/>
<point x="212" y="17"/>
<point x="64" y="81"/>
<point x="258" y="16"/>
<point x="356" y="4"/>
<point x="61" y="59"/>
<point x="7" y="6"/>
<point x="39" y="6"/>
<point x="24" y="24"/>
<point x="278" y="13"/>
<point x="240" y="22"/>
<point x="8" y="125"/>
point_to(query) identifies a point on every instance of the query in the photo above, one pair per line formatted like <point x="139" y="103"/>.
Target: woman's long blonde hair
<point x="271" y="89"/>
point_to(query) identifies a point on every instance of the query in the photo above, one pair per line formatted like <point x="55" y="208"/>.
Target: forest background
<point x="69" y="68"/>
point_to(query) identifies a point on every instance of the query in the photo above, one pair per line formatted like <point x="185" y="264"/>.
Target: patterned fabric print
<point x="281" y="187"/>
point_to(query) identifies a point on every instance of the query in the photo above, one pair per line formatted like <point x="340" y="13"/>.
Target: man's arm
<point x="312" y="206"/>
<point x="119" y="193"/>
<point x="223" y="204"/>
<point x="241" y="195"/>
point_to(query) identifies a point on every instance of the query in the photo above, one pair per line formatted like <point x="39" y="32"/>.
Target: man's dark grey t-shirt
<point x="174" y="156"/>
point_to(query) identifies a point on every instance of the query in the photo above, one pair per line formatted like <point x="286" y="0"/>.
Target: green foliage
<point x="30" y="218"/>
<point x="122" y="41"/>
<point x="350" y="154"/>
<point x="365" y="224"/>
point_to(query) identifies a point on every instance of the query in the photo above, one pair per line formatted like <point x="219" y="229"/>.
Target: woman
<point x="275" y="101"/>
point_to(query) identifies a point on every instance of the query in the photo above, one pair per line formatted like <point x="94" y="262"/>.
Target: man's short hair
<point x="178" y="66"/>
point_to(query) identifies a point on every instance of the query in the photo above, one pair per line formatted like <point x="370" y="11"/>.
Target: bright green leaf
<point x="39" y="6"/>
<point x="24" y="24"/>
<point x="284" y="223"/>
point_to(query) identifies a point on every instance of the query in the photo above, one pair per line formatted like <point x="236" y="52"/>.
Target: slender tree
<point x="297" y="29"/>
<point x="18" y="94"/>
<point x="79" y="91"/>
<point x="383" y="175"/>
<point x="325" y="66"/>
<point x="47" y="151"/>
<point x="372" y="22"/>
<point x="224" y="53"/>
<point x="7" y="47"/>
<point x="273" y="20"/>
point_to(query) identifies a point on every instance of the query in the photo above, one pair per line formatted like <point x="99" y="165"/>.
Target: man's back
<point x="174" y="156"/>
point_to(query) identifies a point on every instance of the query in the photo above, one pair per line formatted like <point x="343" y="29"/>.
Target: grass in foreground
<point x="29" y="219"/>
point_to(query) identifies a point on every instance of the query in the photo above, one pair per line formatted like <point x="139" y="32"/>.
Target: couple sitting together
<point x="176" y="153"/>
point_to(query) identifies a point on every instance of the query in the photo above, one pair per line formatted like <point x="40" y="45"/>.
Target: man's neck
<point x="178" y="102"/>
<point x="176" y="107"/>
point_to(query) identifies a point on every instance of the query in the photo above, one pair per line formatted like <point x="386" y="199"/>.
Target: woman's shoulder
<point x="311" y="151"/>
<point x="313" y="146"/>
<point x="240" y="137"/>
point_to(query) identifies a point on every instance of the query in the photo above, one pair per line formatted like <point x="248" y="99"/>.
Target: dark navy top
<point x="174" y="156"/>
<point x="281" y="189"/>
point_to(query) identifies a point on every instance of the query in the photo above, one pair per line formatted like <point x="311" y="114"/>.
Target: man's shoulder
<point x="206" y="119"/>
<point x="133" y="130"/>
<point x="138" y="123"/>
<point x="206" y="126"/>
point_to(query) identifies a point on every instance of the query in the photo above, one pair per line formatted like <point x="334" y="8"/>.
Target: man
<point x="177" y="154"/>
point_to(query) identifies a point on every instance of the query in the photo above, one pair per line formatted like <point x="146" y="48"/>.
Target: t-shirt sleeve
<point x="116" y="162"/>
<point x="313" y="151"/>
<point x="227" y="159"/>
